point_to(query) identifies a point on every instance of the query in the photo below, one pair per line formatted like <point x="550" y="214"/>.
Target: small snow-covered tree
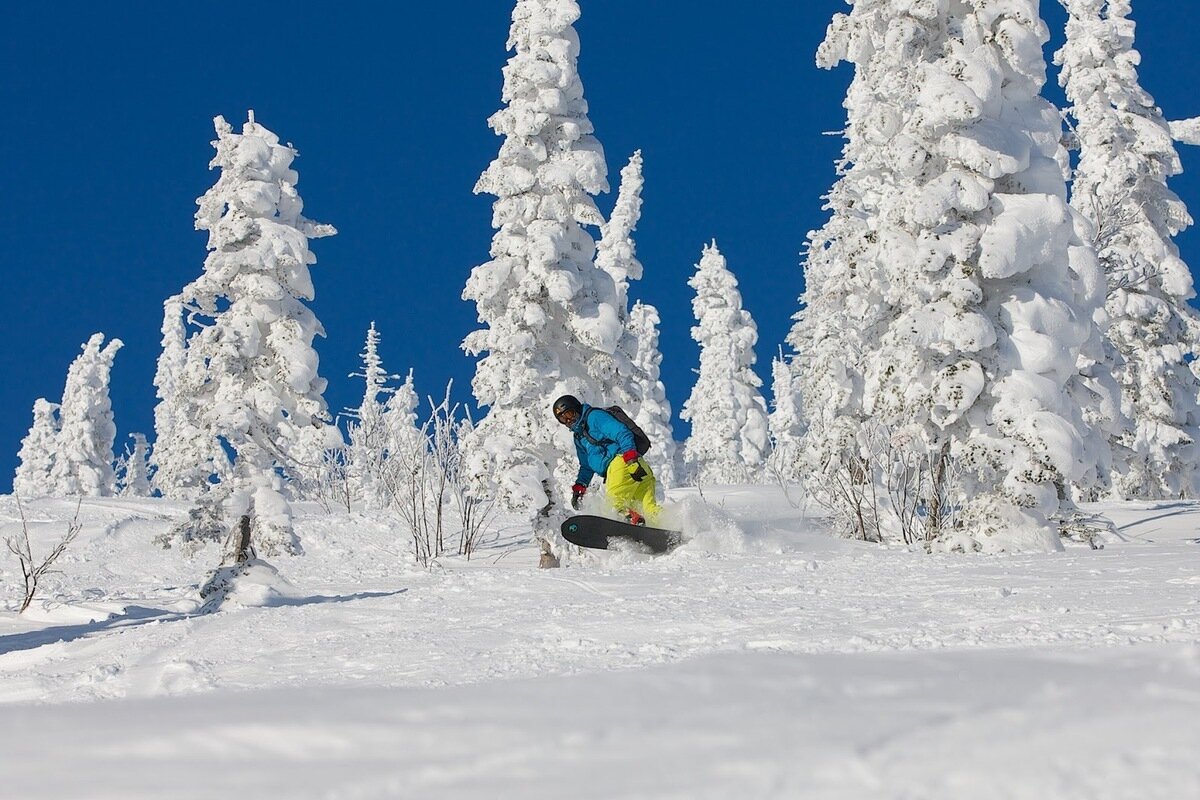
<point x="186" y="454"/>
<point x="399" y="418"/>
<point x="250" y="365"/>
<point x="1126" y="156"/>
<point x="550" y="316"/>
<point x="653" y="408"/>
<point x="134" y="473"/>
<point x="34" y="473"/>
<point x="403" y="449"/>
<point x="730" y="439"/>
<point x="952" y="298"/>
<point x="83" y="461"/>
<point x="786" y="423"/>
<point x="367" y="434"/>
<point x="375" y="378"/>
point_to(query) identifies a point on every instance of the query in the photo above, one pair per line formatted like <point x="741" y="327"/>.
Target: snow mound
<point x="254" y="584"/>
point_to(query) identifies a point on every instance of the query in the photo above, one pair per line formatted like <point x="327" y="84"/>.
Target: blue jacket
<point x="612" y="440"/>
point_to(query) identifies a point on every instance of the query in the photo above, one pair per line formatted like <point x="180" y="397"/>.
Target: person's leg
<point x="646" y="499"/>
<point x="626" y="494"/>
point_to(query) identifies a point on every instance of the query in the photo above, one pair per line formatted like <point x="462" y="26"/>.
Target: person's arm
<point x="586" y="473"/>
<point x="605" y="426"/>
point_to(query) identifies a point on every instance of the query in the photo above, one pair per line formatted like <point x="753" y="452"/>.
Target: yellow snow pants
<point x="625" y="493"/>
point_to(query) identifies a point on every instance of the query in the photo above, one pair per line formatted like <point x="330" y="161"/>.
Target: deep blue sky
<point x="104" y="148"/>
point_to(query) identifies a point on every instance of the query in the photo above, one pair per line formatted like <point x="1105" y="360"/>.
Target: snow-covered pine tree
<point x="83" y="459"/>
<point x="375" y="379"/>
<point x="399" y="419"/>
<point x="366" y="432"/>
<point x="34" y="473"/>
<point x="404" y="465"/>
<point x="1126" y="156"/>
<point x="969" y="290"/>
<point x="730" y="439"/>
<point x="135" y="472"/>
<point x="186" y="455"/>
<point x="653" y="408"/>
<point x="616" y="252"/>
<point x="250" y="364"/>
<point x="786" y="423"/>
<point x="550" y="316"/>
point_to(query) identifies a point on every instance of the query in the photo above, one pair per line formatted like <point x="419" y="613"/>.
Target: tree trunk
<point x="242" y="551"/>
<point x="936" y="494"/>
<point x="543" y="533"/>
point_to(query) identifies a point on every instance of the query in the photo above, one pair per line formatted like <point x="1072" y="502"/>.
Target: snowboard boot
<point x="635" y="518"/>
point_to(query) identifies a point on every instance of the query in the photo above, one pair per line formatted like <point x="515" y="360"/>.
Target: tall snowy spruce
<point x="550" y="316"/>
<point x="250" y="365"/>
<point x="1126" y="156"/>
<point x="786" y="423"/>
<point x="38" y="448"/>
<point x="616" y="254"/>
<point x="186" y="453"/>
<point x="730" y="439"/>
<point x="83" y="458"/>
<point x="952" y="298"/>
<point x="638" y="387"/>
<point x="650" y="396"/>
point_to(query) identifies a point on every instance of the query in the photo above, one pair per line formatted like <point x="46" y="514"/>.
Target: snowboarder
<point x="607" y="446"/>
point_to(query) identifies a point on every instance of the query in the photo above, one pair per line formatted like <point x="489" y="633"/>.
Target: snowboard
<point x="598" y="532"/>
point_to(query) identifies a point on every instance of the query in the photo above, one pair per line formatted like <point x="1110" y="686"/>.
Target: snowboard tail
<point x="598" y="532"/>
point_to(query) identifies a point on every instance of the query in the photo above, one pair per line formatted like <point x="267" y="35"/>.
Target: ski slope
<point x="764" y="659"/>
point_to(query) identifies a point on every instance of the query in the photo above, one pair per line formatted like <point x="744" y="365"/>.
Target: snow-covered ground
<point x="762" y="660"/>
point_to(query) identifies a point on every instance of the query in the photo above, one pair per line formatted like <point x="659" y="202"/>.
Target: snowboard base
<point x="598" y="532"/>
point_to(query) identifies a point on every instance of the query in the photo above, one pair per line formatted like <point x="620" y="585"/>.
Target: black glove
<point x="577" y="493"/>
<point x="637" y="471"/>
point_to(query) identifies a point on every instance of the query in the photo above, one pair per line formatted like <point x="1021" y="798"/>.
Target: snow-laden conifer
<point x="368" y="446"/>
<point x="134" y="473"/>
<point x="399" y="420"/>
<point x="186" y="454"/>
<point x="375" y="378"/>
<point x="83" y="459"/>
<point x="1126" y="156"/>
<point x="951" y="296"/>
<point x="34" y="473"/>
<point x="653" y="413"/>
<point x="616" y="252"/>
<point x="730" y="439"/>
<point x="786" y="423"/>
<point x="250" y="364"/>
<point x="551" y="323"/>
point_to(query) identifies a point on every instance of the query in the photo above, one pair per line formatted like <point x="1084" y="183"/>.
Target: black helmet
<point x="567" y="405"/>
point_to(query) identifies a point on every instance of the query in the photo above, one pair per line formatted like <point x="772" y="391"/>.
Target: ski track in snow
<point x="761" y="659"/>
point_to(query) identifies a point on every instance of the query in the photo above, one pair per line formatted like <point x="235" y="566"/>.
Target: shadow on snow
<point x="136" y="616"/>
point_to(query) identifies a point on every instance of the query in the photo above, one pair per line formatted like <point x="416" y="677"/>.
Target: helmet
<point x="567" y="405"/>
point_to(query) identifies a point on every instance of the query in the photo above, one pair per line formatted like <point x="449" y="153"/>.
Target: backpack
<point x="641" y="441"/>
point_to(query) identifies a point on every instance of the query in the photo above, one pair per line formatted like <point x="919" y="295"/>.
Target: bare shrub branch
<point x="23" y="550"/>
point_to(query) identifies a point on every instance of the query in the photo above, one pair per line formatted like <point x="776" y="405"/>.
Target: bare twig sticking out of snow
<point x="23" y="550"/>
